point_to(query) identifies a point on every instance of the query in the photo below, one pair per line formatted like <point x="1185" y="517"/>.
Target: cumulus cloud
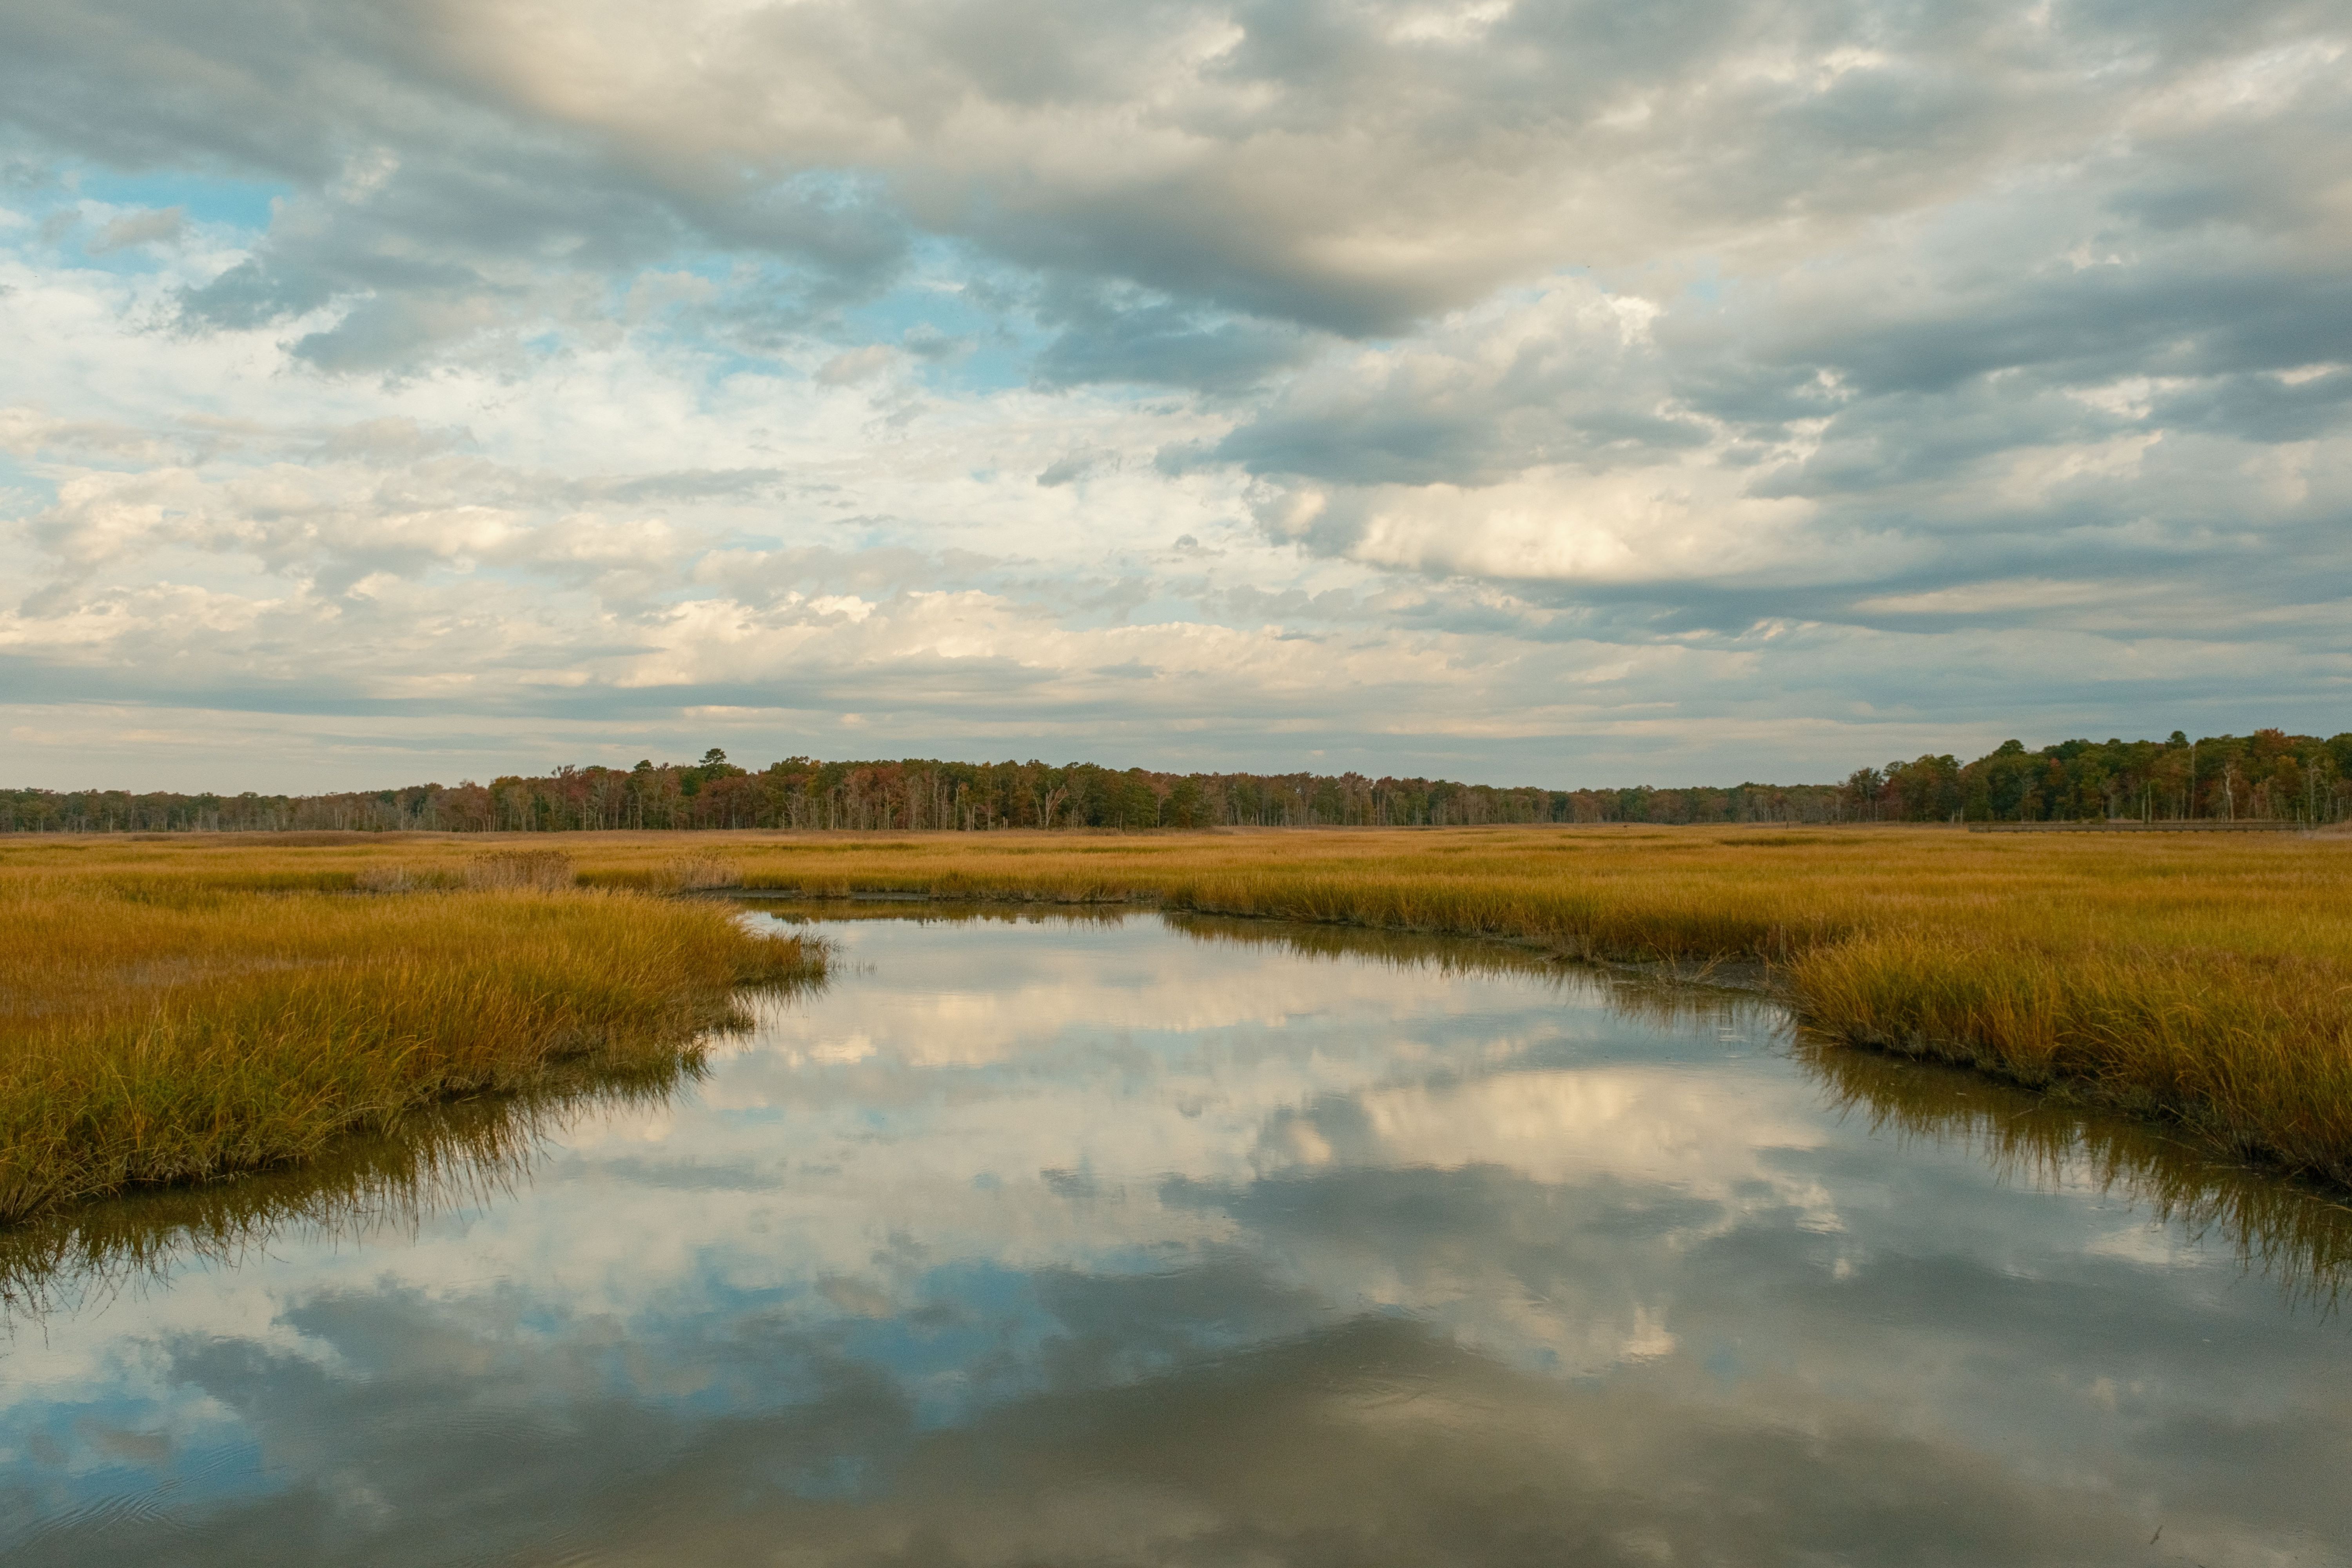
<point x="857" y="364"/>
<point x="156" y="226"/>
<point x="1816" y="368"/>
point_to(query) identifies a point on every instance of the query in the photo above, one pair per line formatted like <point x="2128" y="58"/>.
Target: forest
<point x="2267" y="776"/>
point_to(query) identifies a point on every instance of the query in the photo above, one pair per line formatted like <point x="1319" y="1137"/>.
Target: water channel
<point x="1133" y="1240"/>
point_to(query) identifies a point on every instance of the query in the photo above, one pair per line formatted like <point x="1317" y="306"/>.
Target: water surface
<point x="1125" y="1241"/>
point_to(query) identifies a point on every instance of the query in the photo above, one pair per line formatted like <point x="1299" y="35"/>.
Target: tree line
<point x="2266" y="775"/>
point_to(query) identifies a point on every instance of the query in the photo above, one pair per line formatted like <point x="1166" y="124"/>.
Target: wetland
<point x="1112" y="1236"/>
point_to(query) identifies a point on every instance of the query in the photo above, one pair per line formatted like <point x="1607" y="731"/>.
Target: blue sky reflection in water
<point x="1033" y="1241"/>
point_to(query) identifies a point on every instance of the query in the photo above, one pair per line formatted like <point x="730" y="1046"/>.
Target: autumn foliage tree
<point x="2268" y="775"/>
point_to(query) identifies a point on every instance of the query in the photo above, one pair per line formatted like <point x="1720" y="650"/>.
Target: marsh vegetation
<point x="1346" y="1244"/>
<point x="158" y="1026"/>
<point x="180" y="1007"/>
<point x="2205" y="983"/>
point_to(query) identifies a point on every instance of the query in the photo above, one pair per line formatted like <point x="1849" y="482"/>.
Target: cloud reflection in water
<point x="1043" y="1241"/>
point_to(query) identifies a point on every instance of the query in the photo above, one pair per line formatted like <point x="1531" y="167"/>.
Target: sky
<point x="1522" y="391"/>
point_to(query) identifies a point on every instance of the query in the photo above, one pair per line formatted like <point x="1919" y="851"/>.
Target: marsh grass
<point x="2205" y="982"/>
<point x="156" y="1030"/>
<point x="2202" y="982"/>
<point x="2251" y="1051"/>
<point x="547" y="870"/>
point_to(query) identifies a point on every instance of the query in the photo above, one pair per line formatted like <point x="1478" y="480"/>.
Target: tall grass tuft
<point x="546" y="869"/>
<point x="148" y="1039"/>
<point x="701" y="873"/>
<point x="2253" y="1051"/>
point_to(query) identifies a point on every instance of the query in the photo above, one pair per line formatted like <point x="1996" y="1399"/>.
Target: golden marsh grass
<point x="2202" y="981"/>
<point x="160" y="1028"/>
<point x="2205" y="981"/>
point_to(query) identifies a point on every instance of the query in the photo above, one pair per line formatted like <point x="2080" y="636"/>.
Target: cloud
<point x="1113" y="334"/>
<point x="1568" y="376"/>
<point x="1072" y="467"/>
<point x="1349" y="168"/>
<point x="156" y="226"/>
<point x="857" y="364"/>
<point x="1824" y="363"/>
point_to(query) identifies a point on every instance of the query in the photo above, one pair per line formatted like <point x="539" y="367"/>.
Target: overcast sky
<point x="1523" y="390"/>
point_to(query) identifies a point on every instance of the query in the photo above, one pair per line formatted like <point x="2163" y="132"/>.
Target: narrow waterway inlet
<point x="1144" y="1239"/>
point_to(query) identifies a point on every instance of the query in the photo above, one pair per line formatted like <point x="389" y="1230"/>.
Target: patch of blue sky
<point x="82" y="254"/>
<point x="743" y="321"/>
<point x="995" y="362"/>
<point x="956" y="316"/>
<point x="21" y="489"/>
<point x="837" y="188"/>
<point x="952" y="299"/>
<point x="725" y="362"/>
<point x="240" y="204"/>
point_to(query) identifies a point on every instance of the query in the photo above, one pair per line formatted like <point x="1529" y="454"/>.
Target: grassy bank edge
<point x="2200" y="984"/>
<point x="291" y="1022"/>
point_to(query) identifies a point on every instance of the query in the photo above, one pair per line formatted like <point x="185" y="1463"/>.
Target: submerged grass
<point x="2204" y="981"/>
<point x="157" y="1029"/>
